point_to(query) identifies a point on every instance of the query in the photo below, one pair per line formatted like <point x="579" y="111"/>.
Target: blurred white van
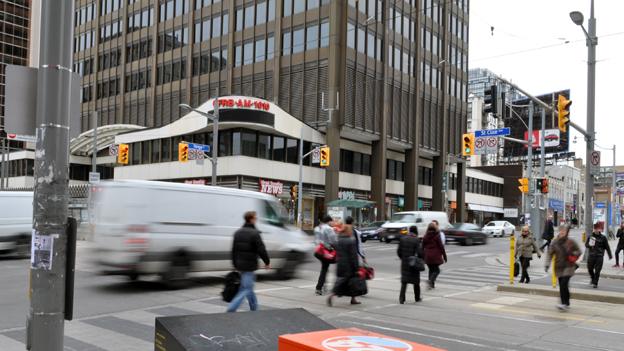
<point x="172" y="229"/>
<point x="16" y="211"/>
<point x="400" y="223"/>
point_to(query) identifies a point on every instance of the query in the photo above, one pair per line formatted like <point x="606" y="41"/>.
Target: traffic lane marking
<point x="556" y="315"/>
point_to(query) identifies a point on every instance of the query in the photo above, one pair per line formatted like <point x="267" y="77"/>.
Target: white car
<point x="499" y="228"/>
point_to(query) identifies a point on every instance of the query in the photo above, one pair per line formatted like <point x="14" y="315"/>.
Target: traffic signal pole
<point x="45" y="322"/>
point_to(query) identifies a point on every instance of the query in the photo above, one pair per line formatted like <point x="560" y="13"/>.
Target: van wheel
<point x="176" y="277"/>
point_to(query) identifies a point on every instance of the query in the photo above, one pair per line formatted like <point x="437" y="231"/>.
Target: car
<point x="551" y="137"/>
<point x="370" y="231"/>
<point x="499" y="228"/>
<point x="400" y="223"/>
<point x="466" y="234"/>
<point x="16" y="212"/>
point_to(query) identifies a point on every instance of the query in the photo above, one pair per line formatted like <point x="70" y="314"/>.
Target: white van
<point x="400" y="223"/>
<point x="16" y="212"/>
<point x="172" y="229"/>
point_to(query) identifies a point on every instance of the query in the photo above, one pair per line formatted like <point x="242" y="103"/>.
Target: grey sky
<point x="535" y="44"/>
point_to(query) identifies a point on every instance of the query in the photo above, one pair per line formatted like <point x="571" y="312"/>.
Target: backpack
<point x="232" y="285"/>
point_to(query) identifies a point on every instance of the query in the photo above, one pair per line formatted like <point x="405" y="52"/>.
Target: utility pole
<point x="543" y="197"/>
<point x="2" y="164"/>
<point x="95" y="136"/>
<point x="532" y="199"/>
<point x="45" y="322"/>
<point x="215" y="141"/>
<point x="614" y="202"/>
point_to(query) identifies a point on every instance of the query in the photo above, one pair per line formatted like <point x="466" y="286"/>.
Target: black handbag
<point x="516" y="269"/>
<point x="416" y="262"/>
<point x="357" y="287"/>
<point x="232" y="285"/>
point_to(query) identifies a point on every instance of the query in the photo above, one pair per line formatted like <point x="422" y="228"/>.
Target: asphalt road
<point x="464" y="312"/>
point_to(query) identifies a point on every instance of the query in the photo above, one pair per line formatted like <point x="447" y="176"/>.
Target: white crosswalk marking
<point x="456" y="253"/>
<point x="483" y="254"/>
<point x="479" y="276"/>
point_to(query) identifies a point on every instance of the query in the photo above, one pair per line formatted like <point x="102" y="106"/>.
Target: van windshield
<point x="403" y="218"/>
<point x="274" y="213"/>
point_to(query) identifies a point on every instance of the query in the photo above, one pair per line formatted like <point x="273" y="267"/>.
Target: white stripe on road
<point x="476" y="255"/>
<point x="456" y="253"/>
<point x="105" y="338"/>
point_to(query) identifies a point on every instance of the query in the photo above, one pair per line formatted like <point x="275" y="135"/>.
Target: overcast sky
<point x="535" y="44"/>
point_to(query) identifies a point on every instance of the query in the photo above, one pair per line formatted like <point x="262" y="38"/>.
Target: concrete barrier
<point x="577" y="294"/>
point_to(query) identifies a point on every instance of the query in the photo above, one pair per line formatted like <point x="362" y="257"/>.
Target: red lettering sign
<point x="270" y="187"/>
<point x="244" y="103"/>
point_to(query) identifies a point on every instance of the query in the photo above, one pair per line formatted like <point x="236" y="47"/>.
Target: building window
<point x="298" y="41"/>
<point x="279" y="150"/>
<point x="140" y="19"/>
<point x="292" y="152"/>
<point x="173" y="8"/>
<point x="172" y="39"/>
<point x="264" y="146"/>
<point x="248" y="52"/>
<point x="108" y="6"/>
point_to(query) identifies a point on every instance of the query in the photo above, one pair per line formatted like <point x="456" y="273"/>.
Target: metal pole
<point x="2" y="164"/>
<point x="542" y="197"/>
<point x="592" y="41"/>
<point x="613" y="195"/>
<point x="533" y="203"/>
<point x="215" y="142"/>
<point x="45" y="322"/>
<point x="300" y="186"/>
<point x="95" y="136"/>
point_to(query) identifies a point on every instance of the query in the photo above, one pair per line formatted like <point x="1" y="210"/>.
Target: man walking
<point x="597" y="244"/>
<point x="549" y="232"/>
<point x="620" y="245"/>
<point x="246" y="249"/>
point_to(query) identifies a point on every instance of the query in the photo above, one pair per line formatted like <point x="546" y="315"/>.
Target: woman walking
<point x="566" y="253"/>
<point x="325" y="236"/>
<point x="435" y="255"/>
<point x="347" y="265"/>
<point x="409" y="247"/>
<point x="525" y="247"/>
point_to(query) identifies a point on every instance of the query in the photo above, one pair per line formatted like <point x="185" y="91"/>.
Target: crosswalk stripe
<point x="456" y="253"/>
<point x="483" y="254"/>
<point x="105" y="338"/>
<point x="455" y="282"/>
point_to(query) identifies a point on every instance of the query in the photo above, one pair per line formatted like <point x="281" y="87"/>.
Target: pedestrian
<point x="549" y="232"/>
<point x="325" y="236"/>
<point x="525" y="248"/>
<point x="442" y="236"/>
<point x="409" y="246"/>
<point x="566" y="252"/>
<point x="597" y="244"/>
<point x="347" y="266"/>
<point x="620" y="245"/>
<point x="357" y="236"/>
<point x="246" y="249"/>
<point x="435" y="255"/>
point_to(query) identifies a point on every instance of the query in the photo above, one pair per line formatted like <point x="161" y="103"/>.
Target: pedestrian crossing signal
<point x="468" y="142"/>
<point x="122" y="155"/>
<point x="524" y="185"/>
<point x="542" y="185"/>
<point x="324" y="156"/>
<point x="183" y="152"/>
<point x="294" y="191"/>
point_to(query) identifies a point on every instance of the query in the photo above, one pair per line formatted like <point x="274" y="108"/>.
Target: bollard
<point x="554" y="275"/>
<point x="512" y="258"/>
<point x="584" y="240"/>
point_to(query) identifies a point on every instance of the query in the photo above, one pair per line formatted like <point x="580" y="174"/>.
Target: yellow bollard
<point x="554" y="275"/>
<point x="512" y="258"/>
<point x="583" y="238"/>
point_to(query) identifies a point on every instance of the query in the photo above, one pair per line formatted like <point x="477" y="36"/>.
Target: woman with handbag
<point x="410" y="252"/>
<point x="566" y="252"/>
<point x="347" y="268"/>
<point x="435" y="255"/>
<point x="325" y="241"/>
<point x="525" y="248"/>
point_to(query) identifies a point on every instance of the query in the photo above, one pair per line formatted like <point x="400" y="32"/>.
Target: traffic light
<point x="524" y="185"/>
<point x="543" y="187"/>
<point x="490" y="98"/>
<point x="183" y="152"/>
<point x="122" y="155"/>
<point x="563" y="109"/>
<point x="324" y="156"/>
<point x="468" y="141"/>
<point x="293" y="192"/>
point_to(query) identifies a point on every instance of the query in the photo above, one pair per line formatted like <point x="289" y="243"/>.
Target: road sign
<point x="492" y="132"/>
<point x="21" y="137"/>
<point x="595" y="158"/>
<point x="195" y="154"/>
<point x="552" y="137"/>
<point x="199" y="147"/>
<point x="94" y="177"/>
<point x="486" y="145"/>
<point x="316" y="155"/>
<point x="113" y="150"/>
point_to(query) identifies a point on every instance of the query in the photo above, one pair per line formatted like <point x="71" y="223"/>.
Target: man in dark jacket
<point x="596" y="245"/>
<point x="246" y="249"/>
<point x="409" y="246"/>
<point x="620" y="245"/>
<point x="549" y="232"/>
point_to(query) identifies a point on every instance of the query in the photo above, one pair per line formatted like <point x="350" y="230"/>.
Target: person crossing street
<point x="566" y="252"/>
<point x="525" y="248"/>
<point x="620" y="246"/>
<point x="549" y="232"/>
<point x="597" y="244"/>
<point x="325" y="236"/>
<point x="435" y="255"/>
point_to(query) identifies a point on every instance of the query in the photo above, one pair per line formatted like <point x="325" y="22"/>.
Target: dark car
<point x="370" y="231"/>
<point x="465" y="234"/>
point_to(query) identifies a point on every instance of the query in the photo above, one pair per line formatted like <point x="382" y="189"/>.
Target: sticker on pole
<point x="362" y="342"/>
<point x="41" y="250"/>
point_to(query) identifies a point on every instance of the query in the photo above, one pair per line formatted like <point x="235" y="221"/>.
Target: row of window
<point x="108" y="88"/>
<point x="311" y="36"/>
<point x="138" y="80"/>
<point x="140" y="19"/>
<point x="108" y="6"/>
<point x="293" y="7"/>
<point x="367" y="42"/>
<point x="355" y="162"/>
<point x="251" y="15"/>
<point x="84" y="14"/>
<point x="401" y="60"/>
<point x="84" y="67"/>
<point x="138" y="50"/>
<point x="111" y="30"/>
<point x="86" y="95"/>
<point x="109" y="59"/>
<point x="84" y="41"/>
<point x="173" y="8"/>
<point x="368" y="7"/>
<point x="204" y="3"/>
<point x="171" y="71"/>
<point x="254" y="51"/>
<point x="172" y="39"/>
<point x="207" y="63"/>
<point x="480" y="186"/>
<point x="211" y="27"/>
<point x="401" y="23"/>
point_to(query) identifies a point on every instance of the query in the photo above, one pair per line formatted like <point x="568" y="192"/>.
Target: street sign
<point x="316" y="155"/>
<point x="195" y="154"/>
<point x="113" y="150"/>
<point x="552" y="137"/>
<point x="492" y="132"/>
<point x="21" y="137"/>
<point x="486" y="145"/>
<point x="94" y="177"/>
<point x="199" y="147"/>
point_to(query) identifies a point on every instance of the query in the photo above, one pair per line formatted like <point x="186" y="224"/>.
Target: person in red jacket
<point x="435" y="255"/>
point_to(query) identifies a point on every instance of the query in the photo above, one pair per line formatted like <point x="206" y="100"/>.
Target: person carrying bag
<point x="411" y="254"/>
<point x="325" y="252"/>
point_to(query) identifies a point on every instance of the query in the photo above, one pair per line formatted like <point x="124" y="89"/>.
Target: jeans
<point x="322" y="276"/>
<point x="594" y="266"/>
<point x="524" y="263"/>
<point x="404" y="288"/>
<point x="564" y="290"/>
<point x="246" y="291"/>
<point x="617" y="254"/>
<point x="434" y="271"/>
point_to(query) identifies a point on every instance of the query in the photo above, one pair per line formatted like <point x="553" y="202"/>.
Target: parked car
<point x="400" y="223"/>
<point x="499" y="228"/>
<point x="16" y="211"/>
<point x="466" y="234"/>
<point x="370" y="231"/>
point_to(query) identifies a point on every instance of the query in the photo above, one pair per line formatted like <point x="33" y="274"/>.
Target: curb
<point x="577" y="294"/>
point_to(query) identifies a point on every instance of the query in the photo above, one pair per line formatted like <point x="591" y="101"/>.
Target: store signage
<point x="271" y="187"/>
<point x="346" y="195"/>
<point x="244" y="103"/>
<point x="195" y="181"/>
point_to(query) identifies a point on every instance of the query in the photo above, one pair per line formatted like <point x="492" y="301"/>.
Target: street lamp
<point x="591" y="41"/>
<point x="214" y="118"/>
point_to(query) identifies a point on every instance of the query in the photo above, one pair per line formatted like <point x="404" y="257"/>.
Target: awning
<point x="484" y="208"/>
<point x="351" y="203"/>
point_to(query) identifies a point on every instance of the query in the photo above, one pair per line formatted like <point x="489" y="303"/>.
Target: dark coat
<point x="246" y="249"/>
<point x="600" y="245"/>
<point x="409" y="246"/>
<point x="620" y="236"/>
<point x="346" y="264"/>
<point x="562" y="248"/>
<point x="549" y="230"/>
<point x="434" y="250"/>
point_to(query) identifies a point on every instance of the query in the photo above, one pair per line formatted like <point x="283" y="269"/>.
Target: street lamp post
<point x="214" y="118"/>
<point x="592" y="41"/>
